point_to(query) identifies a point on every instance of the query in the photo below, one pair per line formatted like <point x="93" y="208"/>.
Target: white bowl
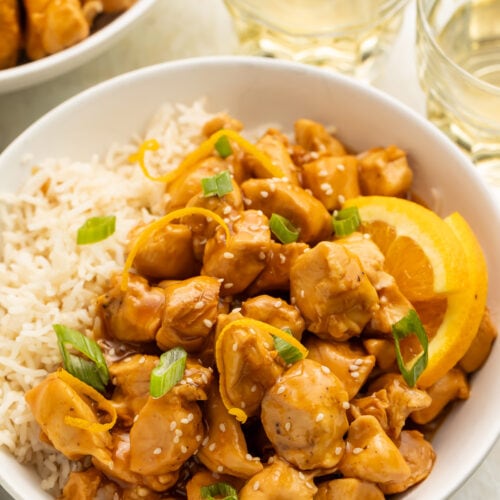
<point x="31" y="73"/>
<point x="261" y="91"/>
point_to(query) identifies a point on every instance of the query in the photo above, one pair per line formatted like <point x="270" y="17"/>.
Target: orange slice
<point x="439" y="266"/>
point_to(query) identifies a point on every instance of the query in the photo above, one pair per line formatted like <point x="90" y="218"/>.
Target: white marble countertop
<point x="176" y="29"/>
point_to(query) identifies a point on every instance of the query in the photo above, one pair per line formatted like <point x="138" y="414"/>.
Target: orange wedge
<point x="439" y="266"/>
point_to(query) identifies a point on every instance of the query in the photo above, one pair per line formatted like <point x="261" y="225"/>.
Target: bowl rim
<point x="131" y="78"/>
<point x="49" y="67"/>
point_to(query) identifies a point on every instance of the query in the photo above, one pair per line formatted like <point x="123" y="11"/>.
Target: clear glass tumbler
<point x="458" y="56"/>
<point x="350" y="36"/>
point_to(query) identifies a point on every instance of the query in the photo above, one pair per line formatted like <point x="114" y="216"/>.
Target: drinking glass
<point x="350" y="36"/>
<point x="458" y="56"/>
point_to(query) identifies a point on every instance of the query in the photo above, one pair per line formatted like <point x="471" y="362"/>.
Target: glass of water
<point x="350" y="36"/>
<point x="458" y="52"/>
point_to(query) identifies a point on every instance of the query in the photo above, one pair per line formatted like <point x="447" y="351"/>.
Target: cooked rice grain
<point x="45" y="278"/>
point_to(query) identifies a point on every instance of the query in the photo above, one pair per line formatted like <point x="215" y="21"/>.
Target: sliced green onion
<point x="96" y="229"/>
<point x="289" y="353"/>
<point x="217" y="185"/>
<point x="168" y="372"/>
<point x="221" y="490"/>
<point x="346" y="221"/>
<point x="92" y="371"/>
<point x="406" y="326"/>
<point x="223" y="147"/>
<point x="283" y="229"/>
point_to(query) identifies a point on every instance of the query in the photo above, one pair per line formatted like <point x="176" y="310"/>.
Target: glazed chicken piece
<point x="133" y="315"/>
<point x="53" y="25"/>
<point x="347" y="361"/>
<point x="188" y="183"/>
<point x="403" y="400"/>
<point x="275" y="146"/>
<point x="167" y="254"/>
<point x="332" y="292"/>
<point x="279" y="481"/>
<point x="82" y="485"/>
<point x="384" y="172"/>
<point x="393" y="305"/>
<point x="276" y="274"/>
<point x="453" y="385"/>
<point x="304" y="416"/>
<point x="206" y="478"/>
<point x="225" y="450"/>
<point x="131" y="377"/>
<point x="189" y="313"/>
<point x="248" y="365"/>
<point x="10" y="33"/>
<point x="221" y="121"/>
<point x="302" y="209"/>
<point x="348" y="489"/>
<point x="275" y="312"/>
<point x="371" y="455"/>
<point x="384" y="353"/>
<point x="480" y="348"/>
<point x="419" y="455"/>
<point x="58" y="396"/>
<point x="332" y="179"/>
<point x="239" y="261"/>
<point x="119" y="469"/>
<point x="375" y="404"/>
<point x="313" y="136"/>
<point x="169" y="429"/>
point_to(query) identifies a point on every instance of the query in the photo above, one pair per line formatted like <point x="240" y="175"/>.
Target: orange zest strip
<point x="238" y="413"/>
<point x="204" y="150"/>
<point x="159" y="224"/>
<point x="102" y="404"/>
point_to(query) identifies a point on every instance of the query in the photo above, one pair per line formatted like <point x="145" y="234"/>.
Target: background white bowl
<point x="261" y="91"/>
<point x="34" y="72"/>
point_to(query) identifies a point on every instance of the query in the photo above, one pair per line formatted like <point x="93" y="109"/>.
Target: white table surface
<point x="176" y="29"/>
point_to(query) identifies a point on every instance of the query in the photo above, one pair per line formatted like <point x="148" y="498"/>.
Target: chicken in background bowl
<point x="32" y="29"/>
<point x="312" y="109"/>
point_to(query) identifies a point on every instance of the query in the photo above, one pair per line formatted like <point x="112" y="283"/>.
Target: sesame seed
<point x="357" y="451"/>
<point x="235" y="347"/>
<point x="341" y="198"/>
<point x="184" y="421"/>
<point x="156" y="451"/>
<point x="325" y="186"/>
<point x="322" y="173"/>
<point x="207" y="323"/>
<point x="264" y="194"/>
<point x="353" y="368"/>
<point x="358" y="362"/>
<point x="308" y="191"/>
<point x="209" y="219"/>
<point x="366" y="236"/>
<point x="254" y="227"/>
<point x="202" y="241"/>
<point x="320" y="417"/>
<point x="341" y="167"/>
<point x="173" y="425"/>
<point x="288" y="426"/>
<point x="346" y="405"/>
<point x="262" y="255"/>
<point x="212" y="447"/>
<point x="383" y="299"/>
<point x="198" y="438"/>
<point x="282" y="258"/>
<point x="354" y="374"/>
<point x="270" y="460"/>
<point x="226" y="210"/>
<point x="222" y="427"/>
<point x="236" y="310"/>
<point x="278" y="304"/>
<point x="199" y="304"/>
<point x="184" y="449"/>
<point x="189" y="380"/>
<point x="227" y="220"/>
<point x="281" y="389"/>
<point x="247" y="201"/>
<point x="301" y="475"/>
<point x="253" y="388"/>
<point x="205" y="441"/>
<point x="243" y="405"/>
<point x="338" y="450"/>
<point x="325" y="369"/>
<point x="302" y="294"/>
<point x="248" y="456"/>
<point x="309" y="485"/>
<point x="228" y="285"/>
<point x="220" y="468"/>
<point x="178" y="432"/>
<point x="135" y="418"/>
<point x="256" y="485"/>
<point x="228" y="255"/>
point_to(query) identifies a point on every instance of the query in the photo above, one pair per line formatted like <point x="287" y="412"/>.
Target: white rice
<point x="45" y="278"/>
